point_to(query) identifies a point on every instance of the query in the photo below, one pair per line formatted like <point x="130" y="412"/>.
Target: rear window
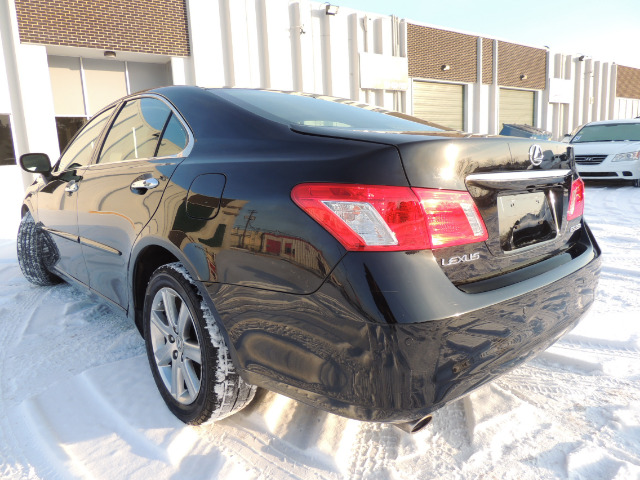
<point x="613" y="132"/>
<point x="323" y="111"/>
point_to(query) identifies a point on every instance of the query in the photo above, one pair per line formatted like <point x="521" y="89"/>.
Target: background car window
<point x="80" y="151"/>
<point x="613" y="132"/>
<point x="135" y="131"/>
<point x="174" y="139"/>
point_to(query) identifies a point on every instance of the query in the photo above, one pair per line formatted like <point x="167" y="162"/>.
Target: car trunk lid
<point x="521" y="188"/>
<point x="521" y="191"/>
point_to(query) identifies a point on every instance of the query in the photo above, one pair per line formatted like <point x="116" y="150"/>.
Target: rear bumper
<point x="388" y="338"/>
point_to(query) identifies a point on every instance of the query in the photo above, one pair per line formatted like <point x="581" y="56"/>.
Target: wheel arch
<point x="151" y="253"/>
<point x="148" y="259"/>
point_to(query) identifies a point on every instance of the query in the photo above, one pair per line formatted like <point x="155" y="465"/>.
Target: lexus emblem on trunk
<point x="535" y="155"/>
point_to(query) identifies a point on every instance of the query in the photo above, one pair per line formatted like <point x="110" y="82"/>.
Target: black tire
<point x="636" y="183"/>
<point x="170" y="350"/>
<point x="36" y="252"/>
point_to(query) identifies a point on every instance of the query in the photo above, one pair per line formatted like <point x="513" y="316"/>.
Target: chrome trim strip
<point x="68" y="236"/>
<point x="99" y="246"/>
<point x="180" y="156"/>
<point x="515" y="176"/>
<point x="191" y="139"/>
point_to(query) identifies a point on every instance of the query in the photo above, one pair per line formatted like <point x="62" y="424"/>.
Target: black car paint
<point x="376" y="342"/>
<point x="382" y="336"/>
<point x="111" y="215"/>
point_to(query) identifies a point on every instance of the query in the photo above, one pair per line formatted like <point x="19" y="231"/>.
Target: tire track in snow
<point x="266" y="455"/>
<point x="273" y="427"/>
<point x="374" y="448"/>
<point x="546" y="387"/>
<point x="617" y="272"/>
<point x="607" y="348"/>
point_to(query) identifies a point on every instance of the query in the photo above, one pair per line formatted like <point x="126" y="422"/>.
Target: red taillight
<point x="576" y="200"/>
<point x="383" y="218"/>
<point x="366" y="217"/>
<point x="452" y="216"/>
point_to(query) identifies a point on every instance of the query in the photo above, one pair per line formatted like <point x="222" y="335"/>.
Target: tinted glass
<point x="135" y="131"/>
<point x="79" y="153"/>
<point x="317" y="111"/>
<point x="174" y="139"/>
<point x="67" y="127"/>
<point x="614" y="132"/>
<point x="7" y="155"/>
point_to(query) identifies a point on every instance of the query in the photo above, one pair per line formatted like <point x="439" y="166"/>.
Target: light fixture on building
<point x="523" y="77"/>
<point x="445" y="68"/>
<point x="331" y="9"/>
<point x="110" y="54"/>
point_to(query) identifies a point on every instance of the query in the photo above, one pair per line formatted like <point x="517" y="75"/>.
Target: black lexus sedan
<point x="367" y="263"/>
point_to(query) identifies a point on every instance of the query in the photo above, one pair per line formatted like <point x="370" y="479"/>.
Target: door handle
<point x="144" y="184"/>
<point x="71" y="187"/>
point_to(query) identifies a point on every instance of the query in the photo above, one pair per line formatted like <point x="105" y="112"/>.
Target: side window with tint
<point x="174" y="139"/>
<point x="79" y="153"/>
<point x="135" y="131"/>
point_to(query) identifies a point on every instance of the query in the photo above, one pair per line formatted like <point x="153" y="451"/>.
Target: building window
<point x="81" y="150"/>
<point x="7" y="153"/>
<point x="67" y="128"/>
<point x="82" y="86"/>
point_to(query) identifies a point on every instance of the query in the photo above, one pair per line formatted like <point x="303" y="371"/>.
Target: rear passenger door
<point x="122" y="189"/>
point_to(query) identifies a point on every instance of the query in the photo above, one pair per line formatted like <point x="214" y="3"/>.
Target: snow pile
<point x="77" y="399"/>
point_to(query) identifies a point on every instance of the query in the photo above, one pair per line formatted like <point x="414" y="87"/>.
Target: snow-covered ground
<point x="77" y="399"/>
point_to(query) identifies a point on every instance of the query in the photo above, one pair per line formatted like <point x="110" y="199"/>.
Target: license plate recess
<point x="525" y="220"/>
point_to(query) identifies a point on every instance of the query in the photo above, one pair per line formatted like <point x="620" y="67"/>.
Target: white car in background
<point x="608" y="150"/>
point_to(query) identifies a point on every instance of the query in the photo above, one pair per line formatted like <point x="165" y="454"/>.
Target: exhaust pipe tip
<point x="414" y="426"/>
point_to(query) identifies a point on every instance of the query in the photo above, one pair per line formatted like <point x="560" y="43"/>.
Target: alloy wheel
<point x="176" y="345"/>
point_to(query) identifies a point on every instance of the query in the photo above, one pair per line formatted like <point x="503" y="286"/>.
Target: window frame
<point x="120" y="105"/>
<point x="99" y="139"/>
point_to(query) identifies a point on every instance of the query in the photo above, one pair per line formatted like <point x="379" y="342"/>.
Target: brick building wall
<point x="517" y="60"/>
<point x="429" y="49"/>
<point x="142" y="26"/>
<point x="628" y="84"/>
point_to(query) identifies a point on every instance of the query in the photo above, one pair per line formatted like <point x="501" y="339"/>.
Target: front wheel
<point x="636" y="182"/>
<point x="188" y="355"/>
<point x="36" y="252"/>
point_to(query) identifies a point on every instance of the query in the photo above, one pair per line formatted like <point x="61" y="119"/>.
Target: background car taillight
<point x="576" y="200"/>
<point x="384" y="218"/>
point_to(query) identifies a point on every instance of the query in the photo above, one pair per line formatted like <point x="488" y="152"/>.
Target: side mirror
<point x="36" y="163"/>
<point x="566" y="138"/>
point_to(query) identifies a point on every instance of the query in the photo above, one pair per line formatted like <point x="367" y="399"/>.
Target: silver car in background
<point x="608" y="150"/>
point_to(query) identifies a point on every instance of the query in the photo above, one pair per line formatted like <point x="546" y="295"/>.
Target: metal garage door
<point x="516" y="106"/>
<point x="441" y="103"/>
